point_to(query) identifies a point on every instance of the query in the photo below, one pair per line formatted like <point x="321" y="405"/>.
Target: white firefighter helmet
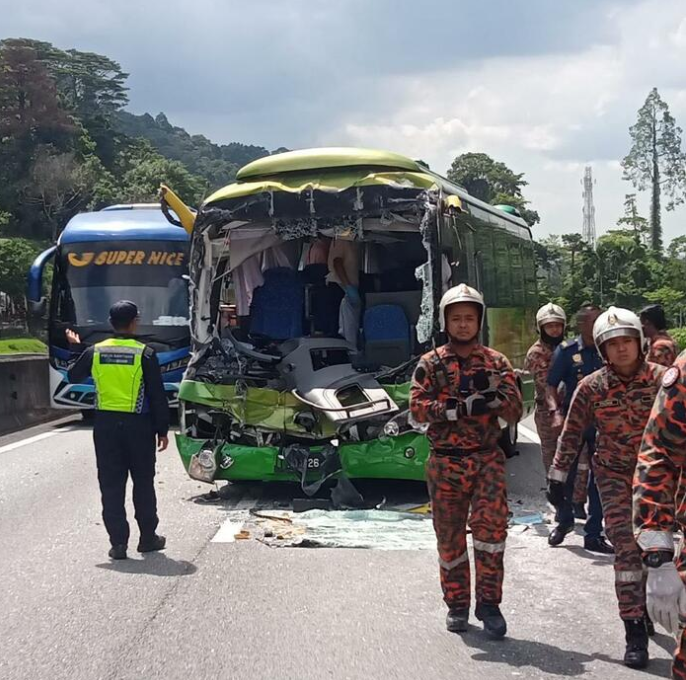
<point x="461" y="293"/>
<point x="617" y="323"/>
<point x="550" y="313"/>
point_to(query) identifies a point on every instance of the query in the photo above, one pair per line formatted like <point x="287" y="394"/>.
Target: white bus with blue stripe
<point x="125" y="252"/>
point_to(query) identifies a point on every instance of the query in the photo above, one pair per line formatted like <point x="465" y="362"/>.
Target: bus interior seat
<point x="409" y="300"/>
<point x="278" y="305"/>
<point x="387" y="335"/>
<point x="322" y="301"/>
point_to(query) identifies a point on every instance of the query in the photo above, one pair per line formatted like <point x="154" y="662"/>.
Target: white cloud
<point x="547" y="116"/>
<point x="545" y="87"/>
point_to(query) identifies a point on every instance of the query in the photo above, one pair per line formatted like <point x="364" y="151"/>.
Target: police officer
<point x="131" y="410"/>
<point x="656" y="482"/>
<point x="663" y="349"/>
<point x="461" y="390"/>
<point x="573" y="360"/>
<point x="616" y="400"/>
<point x="551" y="322"/>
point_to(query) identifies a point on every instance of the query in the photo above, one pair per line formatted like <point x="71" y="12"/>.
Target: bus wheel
<point x="508" y="441"/>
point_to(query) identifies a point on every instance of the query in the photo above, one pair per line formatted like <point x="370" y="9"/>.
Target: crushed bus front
<point x="272" y="391"/>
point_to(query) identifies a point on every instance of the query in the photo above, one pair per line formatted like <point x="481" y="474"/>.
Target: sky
<point x="546" y="87"/>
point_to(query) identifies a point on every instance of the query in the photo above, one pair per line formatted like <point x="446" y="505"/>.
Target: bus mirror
<point x="37" y="308"/>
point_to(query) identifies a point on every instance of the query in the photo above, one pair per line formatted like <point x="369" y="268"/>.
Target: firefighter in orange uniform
<point x="616" y="400"/>
<point x="656" y="482"/>
<point x="461" y="390"/>
<point x="551" y="322"/>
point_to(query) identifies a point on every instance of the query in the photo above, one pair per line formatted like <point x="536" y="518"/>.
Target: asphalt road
<point x="239" y="609"/>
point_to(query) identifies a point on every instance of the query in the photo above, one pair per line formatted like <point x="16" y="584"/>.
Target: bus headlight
<point x="391" y="429"/>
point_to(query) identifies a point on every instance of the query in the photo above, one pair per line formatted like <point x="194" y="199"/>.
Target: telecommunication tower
<point x="588" y="229"/>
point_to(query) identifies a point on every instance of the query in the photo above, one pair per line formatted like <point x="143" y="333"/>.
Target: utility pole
<point x="588" y="229"/>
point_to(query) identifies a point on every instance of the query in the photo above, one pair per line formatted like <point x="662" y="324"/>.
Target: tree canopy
<point x="67" y="145"/>
<point x="656" y="161"/>
<point x="623" y="269"/>
<point x="492" y="182"/>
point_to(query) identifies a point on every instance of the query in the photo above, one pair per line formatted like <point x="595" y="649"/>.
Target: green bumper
<point x="401" y="457"/>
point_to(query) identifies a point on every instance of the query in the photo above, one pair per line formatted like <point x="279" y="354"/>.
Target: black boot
<point x="557" y="535"/>
<point x="457" y="620"/>
<point x="494" y="622"/>
<point x="151" y="544"/>
<point x="598" y="545"/>
<point x="118" y="552"/>
<point x="636" y="655"/>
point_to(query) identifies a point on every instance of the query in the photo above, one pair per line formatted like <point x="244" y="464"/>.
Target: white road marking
<point x="228" y="530"/>
<point x="245" y="504"/>
<point x="33" y="440"/>
<point x="529" y="434"/>
<point x="238" y="516"/>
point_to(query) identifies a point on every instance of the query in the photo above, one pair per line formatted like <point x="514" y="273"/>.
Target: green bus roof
<point x="325" y="158"/>
<point x="338" y="169"/>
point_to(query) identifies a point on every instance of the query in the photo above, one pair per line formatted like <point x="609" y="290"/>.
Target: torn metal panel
<point x="320" y="375"/>
<point x="427" y="273"/>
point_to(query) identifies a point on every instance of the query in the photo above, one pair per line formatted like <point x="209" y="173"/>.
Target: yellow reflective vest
<point x="118" y="375"/>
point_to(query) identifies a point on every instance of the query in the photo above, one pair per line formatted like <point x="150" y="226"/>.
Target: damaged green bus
<point x="284" y="384"/>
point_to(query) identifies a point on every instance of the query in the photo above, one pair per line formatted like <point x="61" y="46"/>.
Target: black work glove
<point x="454" y="409"/>
<point x="476" y="405"/>
<point x="487" y="388"/>
<point x="555" y="494"/>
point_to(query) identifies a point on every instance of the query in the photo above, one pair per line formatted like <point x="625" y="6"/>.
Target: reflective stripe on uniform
<point x="629" y="576"/>
<point x="118" y="349"/>
<point x="649" y="539"/>
<point x="556" y="475"/>
<point x="489" y="547"/>
<point x="453" y="563"/>
<point x="583" y="466"/>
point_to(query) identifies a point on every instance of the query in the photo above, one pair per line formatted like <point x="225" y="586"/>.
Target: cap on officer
<point x="617" y="322"/>
<point x="550" y="313"/>
<point x="122" y="314"/>
<point x="461" y="293"/>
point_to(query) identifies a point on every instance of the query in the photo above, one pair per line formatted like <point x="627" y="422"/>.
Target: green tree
<point x="64" y="184"/>
<point x="677" y="248"/>
<point x="29" y="101"/>
<point x="656" y="160"/>
<point x="622" y="269"/>
<point x="492" y="182"/>
<point x="672" y="300"/>
<point x="574" y="244"/>
<point x="633" y="221"/>
<point x="90" y="84"/>
<point x="16" y="256"/>
<point x="143" y="170"/>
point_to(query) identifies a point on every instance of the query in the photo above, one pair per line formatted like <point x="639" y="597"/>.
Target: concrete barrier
<point x="24" y="392"/>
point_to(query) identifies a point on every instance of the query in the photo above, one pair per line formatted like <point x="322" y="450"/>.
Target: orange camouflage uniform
<point x="656" y="482"/>
<point x="663" y="349"/>
<point x="619" y="410"/>
<point x="537" y="362"/>
<point x="466" y="467"/>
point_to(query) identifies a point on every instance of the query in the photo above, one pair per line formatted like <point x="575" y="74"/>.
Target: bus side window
<point x="487" y="276"/>
<point x="503" y="267"/>
<point x="529" y="267"/>
<point x="516" y="273"/>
